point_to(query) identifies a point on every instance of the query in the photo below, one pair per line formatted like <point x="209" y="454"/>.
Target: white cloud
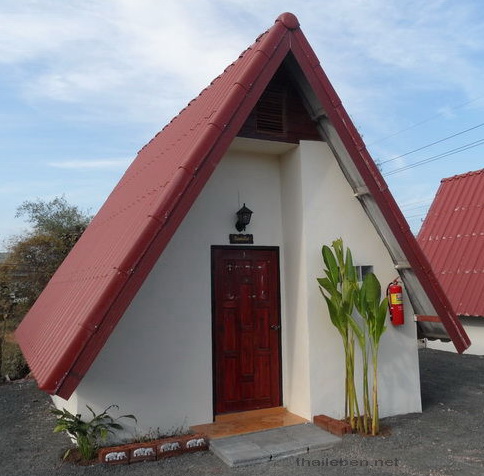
<point x="131" y="56"/>
<point x="136" y="63"/>
<point x="144" y="57"/>
<point x="121" y="164"/>
<point x="33" y="30"/>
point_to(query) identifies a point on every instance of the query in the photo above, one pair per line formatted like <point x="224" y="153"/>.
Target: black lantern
<point x="243" y="218"/>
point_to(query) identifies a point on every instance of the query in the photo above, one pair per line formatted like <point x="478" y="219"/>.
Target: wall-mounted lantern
<point x="243" y="218"/>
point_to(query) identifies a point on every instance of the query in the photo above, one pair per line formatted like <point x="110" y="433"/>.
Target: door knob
<point x="275" y="327"/>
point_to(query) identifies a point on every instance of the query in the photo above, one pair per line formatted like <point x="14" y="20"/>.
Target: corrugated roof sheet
<point x="452" y="237"/>
<point x="74" y="316"/>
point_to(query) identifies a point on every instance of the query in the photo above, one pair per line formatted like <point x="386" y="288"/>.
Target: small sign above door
<point x="241" y="239"/>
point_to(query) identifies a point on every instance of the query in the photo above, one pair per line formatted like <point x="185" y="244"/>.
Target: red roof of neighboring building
<point x="72" y="319"/>
<point x="452" y="237"/>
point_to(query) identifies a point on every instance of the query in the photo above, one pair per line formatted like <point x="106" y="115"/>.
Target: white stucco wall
<point x="328" y="211"/>
<point x="474" y="327"/>
<point x="157" y="364"/>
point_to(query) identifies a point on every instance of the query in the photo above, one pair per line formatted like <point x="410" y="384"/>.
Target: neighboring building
<point x="452" y="237"/>
<point x="156" y="311"/>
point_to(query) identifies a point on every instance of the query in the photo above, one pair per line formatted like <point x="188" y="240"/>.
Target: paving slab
<point x="269" y="445"/>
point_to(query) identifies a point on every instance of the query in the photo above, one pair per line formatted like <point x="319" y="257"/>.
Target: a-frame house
<point x="156" y="311"/>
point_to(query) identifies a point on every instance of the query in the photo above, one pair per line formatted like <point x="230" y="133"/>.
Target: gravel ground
<point x="446" y="439"/>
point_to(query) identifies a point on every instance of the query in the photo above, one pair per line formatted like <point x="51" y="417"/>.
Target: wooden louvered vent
<point x="279" y="114"/>
<point x="270" y="114"/>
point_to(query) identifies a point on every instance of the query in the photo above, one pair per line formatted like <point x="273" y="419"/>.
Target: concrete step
<point x="269" y="445"/>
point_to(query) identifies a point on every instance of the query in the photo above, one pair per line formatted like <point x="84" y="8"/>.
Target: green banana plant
<point x="340" y="289"/>
<point x="343" y="294"/>
<point x="373" y="309"/>
<point x="362" y="336"/>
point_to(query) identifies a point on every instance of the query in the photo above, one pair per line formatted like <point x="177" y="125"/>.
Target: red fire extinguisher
<point x="395" y="303"/>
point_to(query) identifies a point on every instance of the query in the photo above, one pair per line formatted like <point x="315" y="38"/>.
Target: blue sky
<point x="84" y="84"/>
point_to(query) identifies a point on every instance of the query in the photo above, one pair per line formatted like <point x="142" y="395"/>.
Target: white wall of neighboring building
<point x="474" y="327"/>
<point x="157" y="364"/>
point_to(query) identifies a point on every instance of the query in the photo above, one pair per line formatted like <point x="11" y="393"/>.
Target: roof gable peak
<point x="289" y="20"/>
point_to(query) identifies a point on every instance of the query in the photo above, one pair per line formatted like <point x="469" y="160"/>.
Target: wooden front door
<point x="246" y="329"/>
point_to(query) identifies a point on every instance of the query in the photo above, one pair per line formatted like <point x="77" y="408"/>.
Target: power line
<point x="431" y="144"/>
<point x="415" y="216"/>
<point x="458" y="106"/>
<point x="416" y="202"/>
<point x="416" y="208"/>
<point x="437" y="157"/>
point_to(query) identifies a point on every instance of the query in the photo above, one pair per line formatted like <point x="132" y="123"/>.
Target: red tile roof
<point x="72" y="319"/>
<point x="452" y="237"/>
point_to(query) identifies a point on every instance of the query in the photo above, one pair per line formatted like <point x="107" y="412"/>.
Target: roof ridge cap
<point x="463" y="175"/>
<point x="289" y="20"/>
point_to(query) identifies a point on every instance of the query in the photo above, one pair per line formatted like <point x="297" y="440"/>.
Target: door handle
<point x="275" y="327"/>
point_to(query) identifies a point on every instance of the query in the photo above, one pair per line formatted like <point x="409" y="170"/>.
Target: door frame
<point x="276" y="249"/>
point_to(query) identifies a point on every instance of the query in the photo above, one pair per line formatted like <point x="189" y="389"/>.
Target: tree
<point x="34" y="257"/>
<point x="55" y="218"/>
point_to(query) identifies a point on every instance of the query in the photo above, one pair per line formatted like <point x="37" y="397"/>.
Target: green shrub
<point x="88" y="434"/>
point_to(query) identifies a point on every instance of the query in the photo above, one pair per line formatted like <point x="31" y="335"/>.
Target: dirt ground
<point x="447" y="439"/>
